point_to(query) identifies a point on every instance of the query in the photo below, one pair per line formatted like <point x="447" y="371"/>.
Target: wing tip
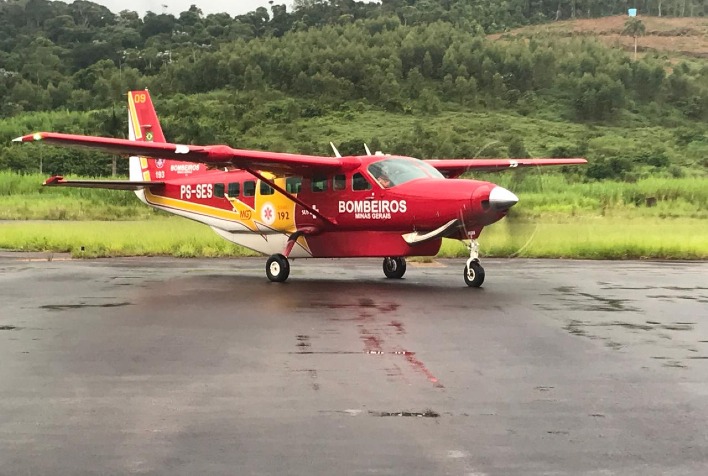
<point x="53" y="180"/>
<point x="29" y="138"/>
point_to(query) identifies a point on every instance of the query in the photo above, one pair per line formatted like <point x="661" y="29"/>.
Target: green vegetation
<point x="428" y="79"/>
<point x="413" y="77"/>
<point x="578" y="237"/>
<point x="651" y="218"/>
<point x="543" y="196"/>
<point x="614" y="237"/>
<point x="91" y="239"/>
<point x="22" y="197"/>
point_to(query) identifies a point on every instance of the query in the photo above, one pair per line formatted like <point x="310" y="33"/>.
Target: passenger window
<point x="293" y="184"/>
<point x="319" y="183"/>
<point x="339" y="182"/>
<point x="360" y="183"/>
<point x="266" y="189"/>
<point x="219" y="190"/>
<point x="234" y="189"/>
<point x="249" y="188"/>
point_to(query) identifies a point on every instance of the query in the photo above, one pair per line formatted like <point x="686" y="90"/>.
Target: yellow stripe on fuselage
<point x="234" y="216"/>
<point x="246" y="214"/>
<point x="190" y="207"/>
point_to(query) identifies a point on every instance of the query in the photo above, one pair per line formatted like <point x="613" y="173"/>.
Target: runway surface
<point x="166" y="366"/>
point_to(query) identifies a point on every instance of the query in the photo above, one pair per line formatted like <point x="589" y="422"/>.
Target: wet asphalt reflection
<point x="163" y="366"/>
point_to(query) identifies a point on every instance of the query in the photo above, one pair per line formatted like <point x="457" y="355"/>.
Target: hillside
<point x="411" y="77"/>
<point x="677" y="37"/>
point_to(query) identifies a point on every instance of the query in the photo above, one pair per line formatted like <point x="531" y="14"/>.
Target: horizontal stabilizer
<point x="447" y="229"/>
<point x="58" y="181"/>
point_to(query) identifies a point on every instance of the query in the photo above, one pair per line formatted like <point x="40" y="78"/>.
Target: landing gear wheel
<point x="474" y="274"/>
<point x="394" y="268"/>
<point x="277" y="268"/>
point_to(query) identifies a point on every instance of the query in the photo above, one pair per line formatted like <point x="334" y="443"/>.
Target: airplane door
<point x="276" y="210"/>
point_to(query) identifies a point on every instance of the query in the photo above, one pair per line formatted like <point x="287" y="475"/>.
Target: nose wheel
<point x="394" y="268"/>
<point x="474" y="272"/>
<point x="277" y="268"/>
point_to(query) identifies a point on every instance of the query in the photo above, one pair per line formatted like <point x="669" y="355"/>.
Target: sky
<point x="232" y="7"/>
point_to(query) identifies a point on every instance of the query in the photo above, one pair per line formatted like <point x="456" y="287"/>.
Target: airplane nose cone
<point x="502" y="199"/>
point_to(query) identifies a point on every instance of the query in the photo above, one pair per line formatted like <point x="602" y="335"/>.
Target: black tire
<point x="394" y="268"/>
<point x="475" y="277"/>
<point x="277" y="268"/>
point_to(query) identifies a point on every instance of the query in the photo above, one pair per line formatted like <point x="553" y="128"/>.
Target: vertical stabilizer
<point x="143" y="125"/>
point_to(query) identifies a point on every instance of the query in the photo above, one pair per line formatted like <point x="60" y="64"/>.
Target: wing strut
<point x="292" y="197"/>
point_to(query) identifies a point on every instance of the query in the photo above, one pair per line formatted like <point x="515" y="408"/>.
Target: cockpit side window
<point x="359" y="182"/>
<point x="396" y="171"/>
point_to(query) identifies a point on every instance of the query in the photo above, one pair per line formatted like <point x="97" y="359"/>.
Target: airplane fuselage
<point x="351" y="214"/>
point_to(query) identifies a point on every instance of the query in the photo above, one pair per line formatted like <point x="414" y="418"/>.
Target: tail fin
<point x="143" y="125"/>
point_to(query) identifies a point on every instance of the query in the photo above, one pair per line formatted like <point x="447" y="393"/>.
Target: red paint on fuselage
<point x="366" y="222"/>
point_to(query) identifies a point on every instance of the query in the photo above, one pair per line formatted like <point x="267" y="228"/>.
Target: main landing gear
<point x="394" y="268"/>
<point x="277" y="268"/>
<point x="474" y="273"/>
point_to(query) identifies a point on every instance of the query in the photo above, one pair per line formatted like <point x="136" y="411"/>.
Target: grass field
<point x="555" y="218"/>
<point x="609" y="237"/>
<point x="542" y="195"/>
<point x="91" y="239"/>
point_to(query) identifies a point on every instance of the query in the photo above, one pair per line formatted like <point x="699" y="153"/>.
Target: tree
<point x="634" y="27"/>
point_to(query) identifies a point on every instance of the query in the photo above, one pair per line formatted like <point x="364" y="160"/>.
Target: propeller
<point x="521" y="234"/>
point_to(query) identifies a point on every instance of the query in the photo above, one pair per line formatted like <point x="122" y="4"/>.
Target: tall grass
<point x="24" y="197"/>
<point x="592" y="238"/>
<point x="90" y="239"/>
<point x="580" y="237"/>
<point x="611" y="193"/>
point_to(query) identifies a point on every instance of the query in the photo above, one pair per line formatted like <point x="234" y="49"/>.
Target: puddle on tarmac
<point x="578" y="301"/>
<point x="669" y="298"/>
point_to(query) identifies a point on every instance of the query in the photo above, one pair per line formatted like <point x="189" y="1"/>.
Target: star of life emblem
<point x="268" y="214"/>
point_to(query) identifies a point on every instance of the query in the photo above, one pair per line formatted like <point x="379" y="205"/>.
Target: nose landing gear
<point x="394" y="268"/>
<point x="474" y="272"/>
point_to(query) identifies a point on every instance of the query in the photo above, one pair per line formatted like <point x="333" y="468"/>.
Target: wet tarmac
<point x="164" y="366"/>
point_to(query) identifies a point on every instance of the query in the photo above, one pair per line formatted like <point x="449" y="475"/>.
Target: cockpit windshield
<point x="396" y="171"/>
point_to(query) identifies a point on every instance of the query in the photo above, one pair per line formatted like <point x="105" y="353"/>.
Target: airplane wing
<point x="59" y="181"/>
<point x="212" y="155"/>
<point x="455" y="167"/>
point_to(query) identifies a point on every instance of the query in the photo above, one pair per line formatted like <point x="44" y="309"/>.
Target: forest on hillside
<point x="221" y="78"/>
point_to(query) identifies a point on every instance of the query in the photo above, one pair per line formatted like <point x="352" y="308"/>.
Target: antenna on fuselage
<point x="336" y="152"/>
<point x="368" y="152"/>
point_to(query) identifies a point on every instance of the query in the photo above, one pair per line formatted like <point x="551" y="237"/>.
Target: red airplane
<point x="293" y="206"/>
